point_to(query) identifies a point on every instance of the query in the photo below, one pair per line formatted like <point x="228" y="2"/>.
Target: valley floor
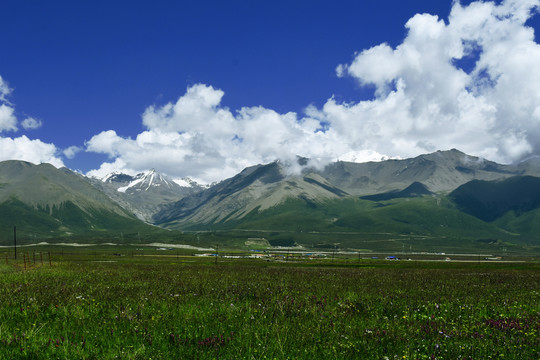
<point x="91" y="305"/>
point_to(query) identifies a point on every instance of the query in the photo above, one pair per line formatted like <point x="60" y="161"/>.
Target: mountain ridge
<point x="441" y="171"/>
<point x="384" y="200"/>
<point x="262" y="186"/>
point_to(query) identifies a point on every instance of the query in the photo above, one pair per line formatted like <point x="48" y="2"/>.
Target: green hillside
<point x="15" y="213"/>
<point x="67" y="222"/>
<point x="524" y="223"/>
<point x="415" y="224"/>
<point x="49" y="204"/>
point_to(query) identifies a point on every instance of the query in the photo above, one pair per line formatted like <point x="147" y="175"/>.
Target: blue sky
<point x="87" y="72"/>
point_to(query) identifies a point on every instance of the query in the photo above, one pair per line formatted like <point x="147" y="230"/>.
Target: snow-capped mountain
<point x="144" y="193"/>
<point x="147" y="181"/>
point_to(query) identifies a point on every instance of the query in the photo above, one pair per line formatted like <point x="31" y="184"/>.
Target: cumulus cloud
<point x="4" y="90"/>
<point x="196" y="136"/>
<point x="470" y="83"/>
<point x="22" y="148"/>
<point x="31" y="124"/>
<point x="71" y="151"/>
<point x="8" y="121"/>
<point x="34" y="151"/>
<point x="426" y="96"/>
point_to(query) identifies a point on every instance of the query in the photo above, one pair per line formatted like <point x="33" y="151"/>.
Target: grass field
<point x="121" y="307"/>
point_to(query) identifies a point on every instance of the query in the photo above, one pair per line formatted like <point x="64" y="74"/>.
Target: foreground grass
<point x="173" y="310"/>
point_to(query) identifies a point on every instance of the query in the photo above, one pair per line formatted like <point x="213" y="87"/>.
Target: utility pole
<point x="15" y="240"/>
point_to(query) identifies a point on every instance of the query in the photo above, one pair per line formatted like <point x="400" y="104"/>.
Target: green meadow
<point x="97" y="305"/>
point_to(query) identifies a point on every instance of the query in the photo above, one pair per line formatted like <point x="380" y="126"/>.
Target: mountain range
<point x="445" y="198"/>
<point x="265" y="186"/>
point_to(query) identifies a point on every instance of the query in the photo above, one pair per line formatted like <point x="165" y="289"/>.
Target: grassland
<point x="93" y="305"/>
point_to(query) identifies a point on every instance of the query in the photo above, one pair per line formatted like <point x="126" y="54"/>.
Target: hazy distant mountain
<point x="265" y="186"/>
<point x="145" y="193"/>
<point x="47" y="200"/>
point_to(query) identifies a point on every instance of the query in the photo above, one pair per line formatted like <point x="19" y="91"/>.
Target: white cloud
<point x="363" y="156"/>
<point x="34" y="151"/>
<point x="105" y="142"/>
<point x="22" y="148"/>
<point x="423" y="97"/>
<point x="4" y="90"/>
<point x="198" y="137"/>
<point x="8" y="121"/>
<point x="31" y="124"/>
<point x="471" y="84"/>
<point x="71" y="151"/>
<point x="107" y="168"/>
<point x="197" y="110"/>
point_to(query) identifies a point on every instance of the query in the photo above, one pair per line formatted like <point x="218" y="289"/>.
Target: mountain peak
<point x="145" y="181"/>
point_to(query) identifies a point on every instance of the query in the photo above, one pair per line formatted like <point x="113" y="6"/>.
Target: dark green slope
<point x="416" y="189"/>
<point x="490" y="200"/>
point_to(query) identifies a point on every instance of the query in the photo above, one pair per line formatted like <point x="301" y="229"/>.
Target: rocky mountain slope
<point x="264" y="186"/>
<point x="441" y="171"/>
<point x="255" y="189"/>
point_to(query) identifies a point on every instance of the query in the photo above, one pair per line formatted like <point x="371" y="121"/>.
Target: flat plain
<point x="90" y="305"/>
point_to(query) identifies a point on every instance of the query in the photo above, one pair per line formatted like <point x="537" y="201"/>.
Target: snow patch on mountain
<point x="189" y="183"/>
<point x="116" y="177"/>
<point x="184" y="182"/>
